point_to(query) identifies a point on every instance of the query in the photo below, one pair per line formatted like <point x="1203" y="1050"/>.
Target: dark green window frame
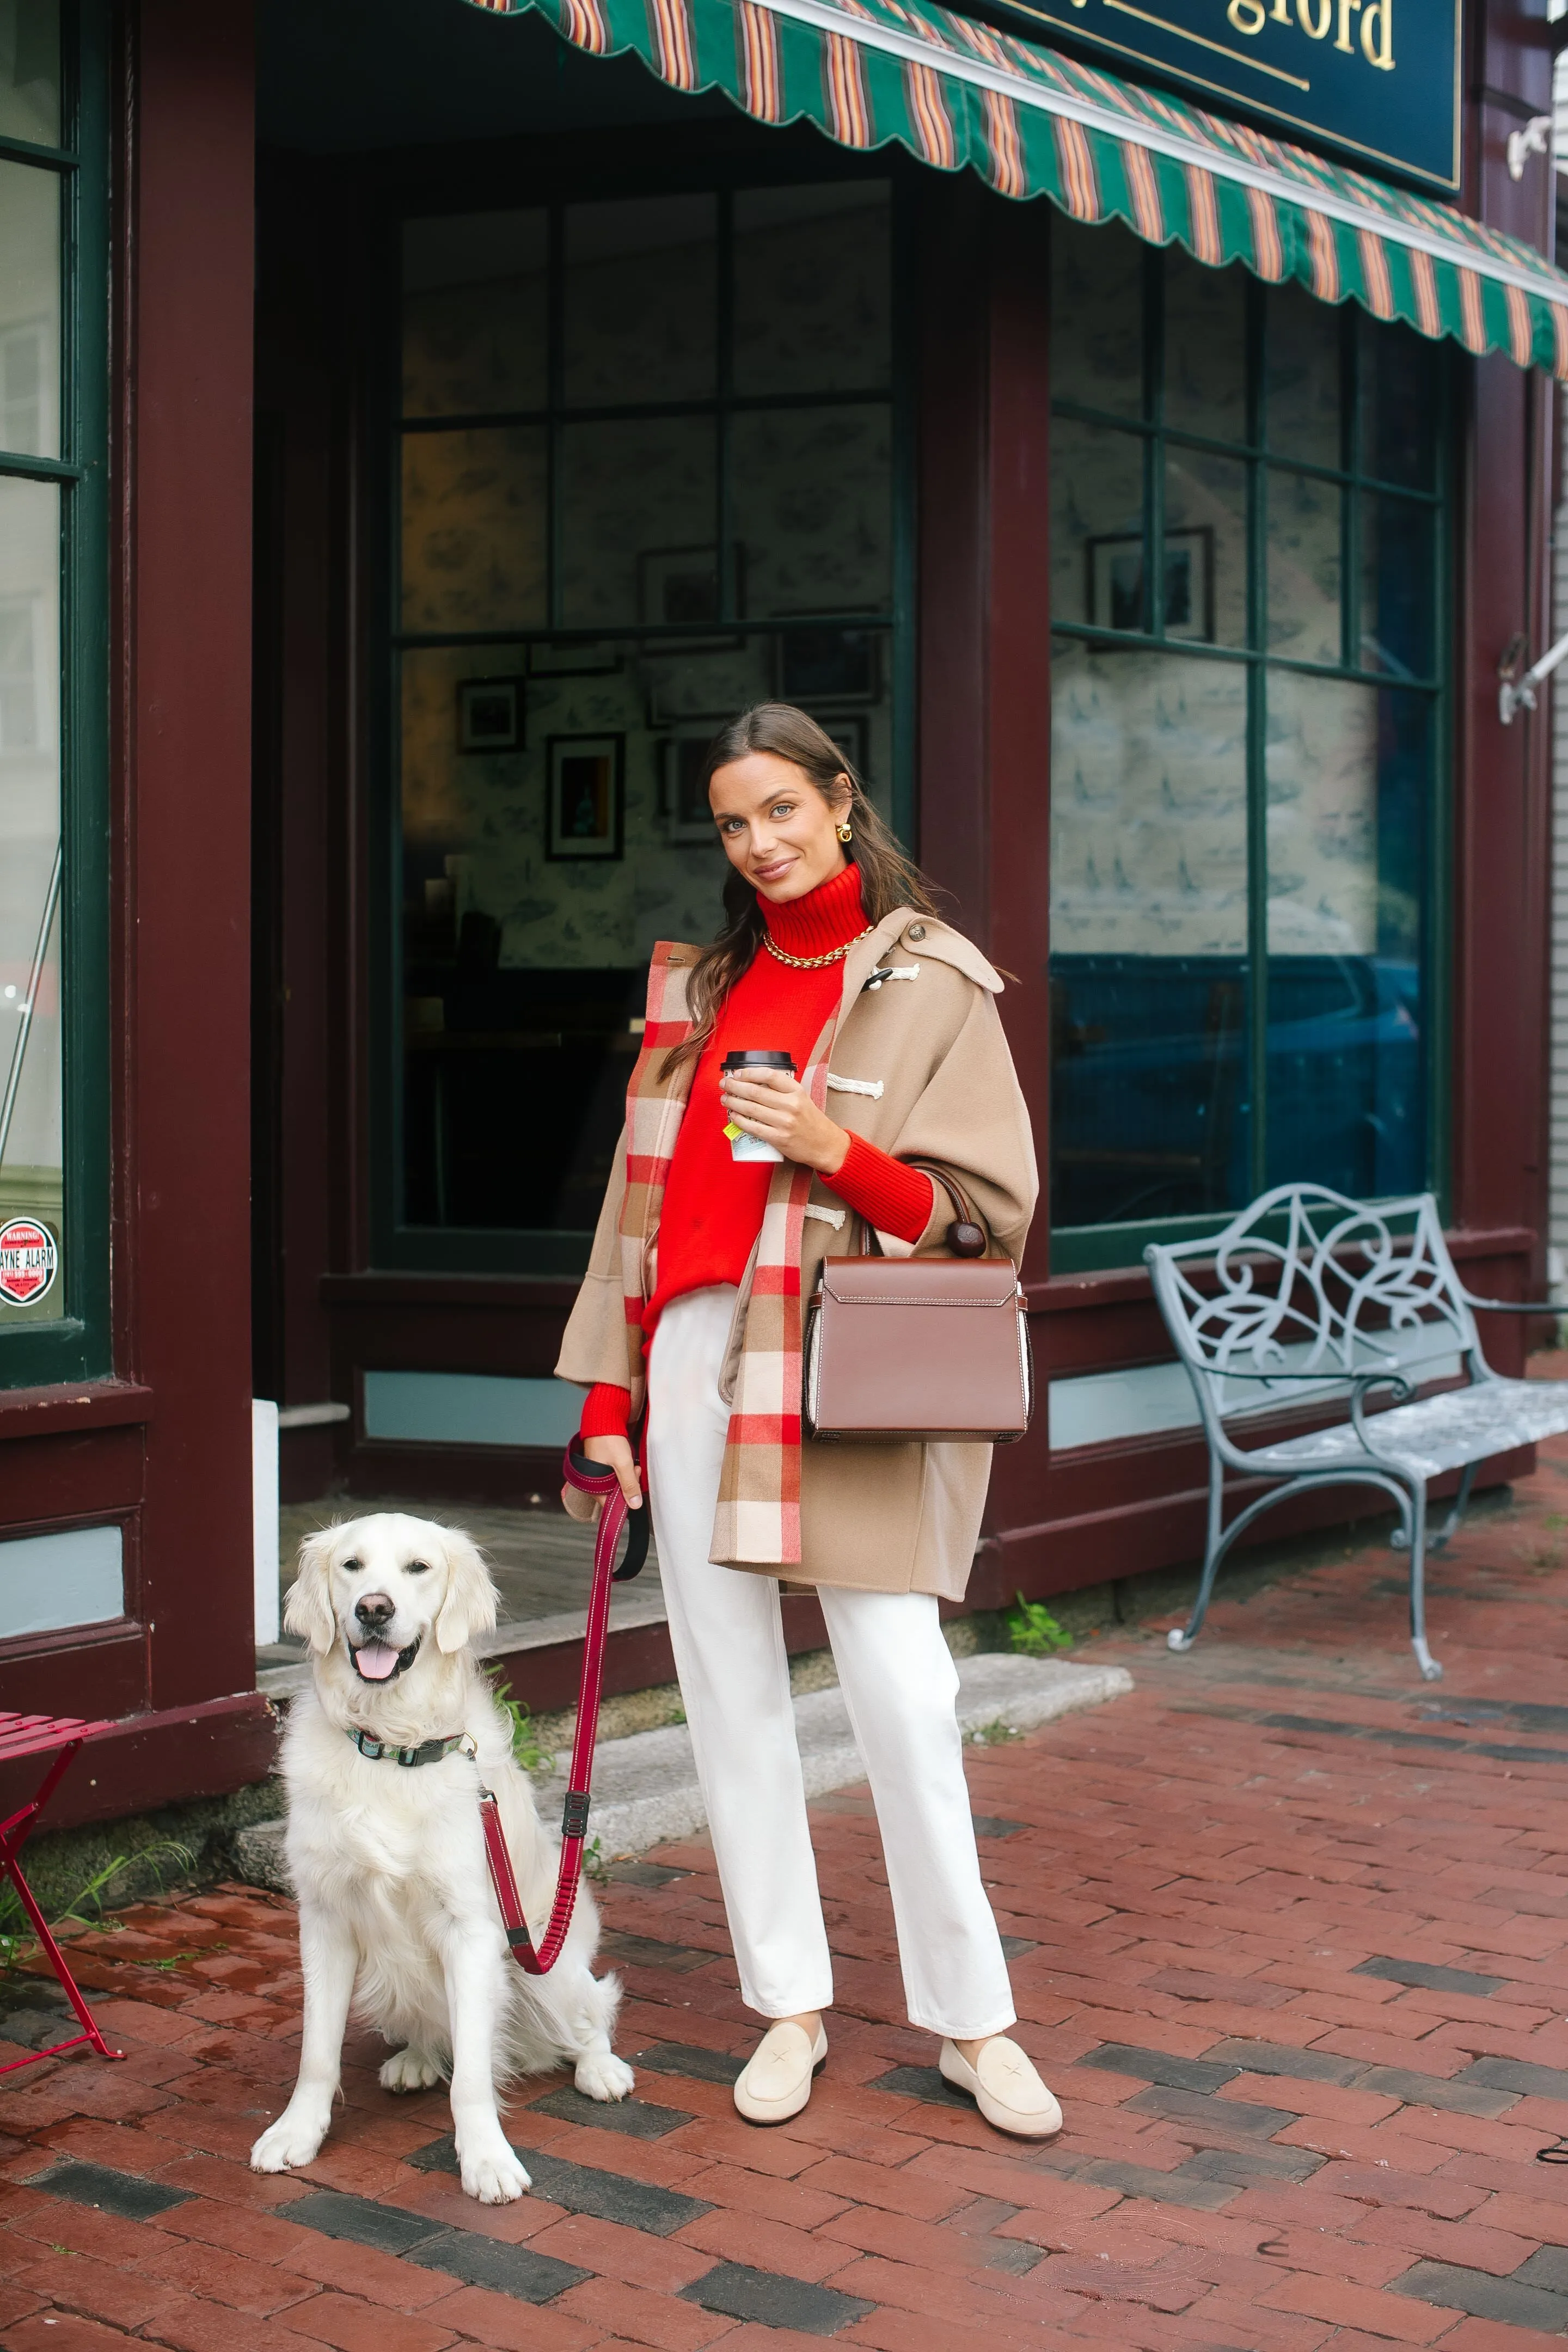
<point x="1083" y="1248"/>
<point x="555" y="1255"/>
<point x="77" y="1343"/>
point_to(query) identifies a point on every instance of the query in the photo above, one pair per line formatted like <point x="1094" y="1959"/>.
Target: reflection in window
<point x="1244" y="742"/>
<point x="637" y="521"/>
<point x="29" y="310"/>
<point x="54" y="244"/>
<point x="814" y="509"/>
<point x="474" y="525"/>
<point x="473" y="314"/>
<point x="813" y="290"/>
<point x="1348" y="775"/>
<point x="32" y="1200"/>
<point x="620" y="584"/>
<point x="1304" y="567"/>
<point x="30" y="71"/>
<point x="31" y="1072"/>
<point x="1148" y="933"/>
<point x="639" y="282"/>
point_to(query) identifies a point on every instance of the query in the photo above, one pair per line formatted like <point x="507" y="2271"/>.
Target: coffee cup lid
<point x="756" y="1057"/>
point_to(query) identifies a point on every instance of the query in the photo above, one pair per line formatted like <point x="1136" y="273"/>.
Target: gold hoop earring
<point x="845" y="832"/>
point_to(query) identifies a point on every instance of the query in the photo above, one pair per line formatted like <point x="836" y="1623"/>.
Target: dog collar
<point x="429" y="1751"/>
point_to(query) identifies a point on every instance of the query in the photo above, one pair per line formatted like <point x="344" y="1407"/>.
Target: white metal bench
<point x="1308" y="1301"/>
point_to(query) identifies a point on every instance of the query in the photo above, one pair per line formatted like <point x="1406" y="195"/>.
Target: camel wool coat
<point x="919" y="1065"/>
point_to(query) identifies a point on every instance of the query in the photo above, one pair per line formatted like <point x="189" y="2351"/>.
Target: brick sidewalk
<point x="1287" y="1937"/>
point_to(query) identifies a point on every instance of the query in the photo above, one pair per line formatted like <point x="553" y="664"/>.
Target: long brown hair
<point x="888" y="877"/>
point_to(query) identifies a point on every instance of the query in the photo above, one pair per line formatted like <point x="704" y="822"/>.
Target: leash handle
<point x="597" y="1478"/>
<point x="591" y="1478"/>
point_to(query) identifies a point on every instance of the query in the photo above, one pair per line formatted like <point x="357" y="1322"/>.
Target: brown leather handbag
<point x="903" y="1349"/>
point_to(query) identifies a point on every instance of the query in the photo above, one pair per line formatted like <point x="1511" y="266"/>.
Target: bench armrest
<point x="1517" y="1306"/>
<point x="1358" y="1383"/>
<point x="1364" y="1380"/>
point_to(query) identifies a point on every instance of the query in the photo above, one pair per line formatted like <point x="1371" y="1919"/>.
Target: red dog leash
<point x="589" y="1478"/>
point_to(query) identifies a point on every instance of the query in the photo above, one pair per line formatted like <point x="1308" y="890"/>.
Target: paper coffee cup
<point x="754" y="1058"/>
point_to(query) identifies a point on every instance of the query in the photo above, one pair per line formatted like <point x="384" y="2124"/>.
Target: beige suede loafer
<point x="776" y="2083"/>
<point x="1005" y="2087"/>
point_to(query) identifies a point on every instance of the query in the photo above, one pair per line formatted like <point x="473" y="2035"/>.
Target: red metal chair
<point x="59" y="1737"/>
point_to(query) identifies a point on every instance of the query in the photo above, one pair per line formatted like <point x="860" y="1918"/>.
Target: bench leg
<point x="1431" y="1671"/>
<point x="1400" y="1539"/>
<point x="1411" y="1501"/>
<point x="1181" y="1637"/>
<point x="1450" y="1525"/>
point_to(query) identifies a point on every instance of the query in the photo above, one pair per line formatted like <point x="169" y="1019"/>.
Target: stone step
<point x="645" y="1787"/>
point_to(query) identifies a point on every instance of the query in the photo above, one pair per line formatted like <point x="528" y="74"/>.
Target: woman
<point x="834" y="953"/>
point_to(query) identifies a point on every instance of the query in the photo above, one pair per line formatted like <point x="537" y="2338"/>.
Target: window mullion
<point x="554" y="394"/>
<point x="1154" y="446"/>
<point x="723" y="523"/>
<point x="1350" y="501"/>
<point x="1256" y="745"/>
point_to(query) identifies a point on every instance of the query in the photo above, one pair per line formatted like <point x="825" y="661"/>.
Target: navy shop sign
<point x="1380" y="77"/>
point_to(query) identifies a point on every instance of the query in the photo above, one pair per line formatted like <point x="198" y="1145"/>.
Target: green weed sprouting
<point x="86" y="1906"/>
<point x="1034" y="1631"/>
<point x="525" y="1746"/>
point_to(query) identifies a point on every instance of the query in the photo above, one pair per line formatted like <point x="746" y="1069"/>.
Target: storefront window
<point x="52" y="1177"/>
<point x="647" y="478"/>
<point x="1248" y="554"/>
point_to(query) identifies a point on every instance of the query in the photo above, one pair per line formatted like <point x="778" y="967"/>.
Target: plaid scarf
<point x="758" y="1520"/>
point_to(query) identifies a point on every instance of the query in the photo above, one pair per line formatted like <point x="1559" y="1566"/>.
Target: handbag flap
<point x="921" y="1281"/>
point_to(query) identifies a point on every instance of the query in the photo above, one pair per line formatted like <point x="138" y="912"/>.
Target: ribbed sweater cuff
<point x="605" y="1413"/>
<point x="892" y="1197"/>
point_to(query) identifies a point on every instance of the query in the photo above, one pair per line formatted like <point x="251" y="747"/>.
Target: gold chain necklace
<point x="815" y="963"/>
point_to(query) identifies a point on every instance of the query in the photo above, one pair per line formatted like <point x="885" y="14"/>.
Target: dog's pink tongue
<point x="376" y="1660"/>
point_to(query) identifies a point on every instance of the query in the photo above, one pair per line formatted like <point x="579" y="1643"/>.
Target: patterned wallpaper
<point x="1148" y="763"/>
<point x="811" y="507"/>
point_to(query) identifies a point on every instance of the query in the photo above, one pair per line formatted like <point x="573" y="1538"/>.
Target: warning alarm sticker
<point x="28" y="1262"/>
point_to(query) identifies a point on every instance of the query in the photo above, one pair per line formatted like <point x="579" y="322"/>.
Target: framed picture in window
<point x="848" y="731"/>
<point x="677" y="588"/>
<point x="816" y="666"/>
<point x="682" y="799"/>
<point x="490" y="714"/>
<point x="588" y="797"/>
<point x="1116" y="582"/>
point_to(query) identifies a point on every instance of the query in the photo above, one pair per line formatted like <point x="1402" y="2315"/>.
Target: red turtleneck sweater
<point x="712" y="1210"/>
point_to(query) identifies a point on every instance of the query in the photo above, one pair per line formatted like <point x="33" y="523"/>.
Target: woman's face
<point x="777" y="828"/>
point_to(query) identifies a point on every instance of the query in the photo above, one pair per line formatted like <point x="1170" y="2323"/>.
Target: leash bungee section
<point x="589" y="1478"/>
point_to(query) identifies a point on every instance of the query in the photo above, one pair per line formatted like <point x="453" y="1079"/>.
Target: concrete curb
<point x="645" y="1788"/>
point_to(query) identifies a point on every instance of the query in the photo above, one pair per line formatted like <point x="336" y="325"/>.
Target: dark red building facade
<point x="416" y="433"/>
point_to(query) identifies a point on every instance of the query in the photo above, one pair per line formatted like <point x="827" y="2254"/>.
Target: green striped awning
<point x="1031" y="122"/>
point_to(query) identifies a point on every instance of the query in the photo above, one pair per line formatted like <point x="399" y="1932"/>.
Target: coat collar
<point x="938" y="940"/>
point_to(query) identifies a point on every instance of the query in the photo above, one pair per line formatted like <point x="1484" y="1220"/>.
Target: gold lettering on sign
<point x="1280" y="12"/>
<point x="1378" y="46"/>
<point x="1247" y="16"/>
<point x="1343" y="40"/>
<point x="1319" y="31"/>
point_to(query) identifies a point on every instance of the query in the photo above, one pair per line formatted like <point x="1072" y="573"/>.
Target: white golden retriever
<point x="397" y="1919"/>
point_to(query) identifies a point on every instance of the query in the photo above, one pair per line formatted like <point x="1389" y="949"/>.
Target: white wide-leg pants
<point x="900" y="1685"/>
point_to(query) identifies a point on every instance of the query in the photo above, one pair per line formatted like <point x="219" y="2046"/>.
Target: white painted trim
<point x="309" y="1416"/>
<point x="264" y="1517"/>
